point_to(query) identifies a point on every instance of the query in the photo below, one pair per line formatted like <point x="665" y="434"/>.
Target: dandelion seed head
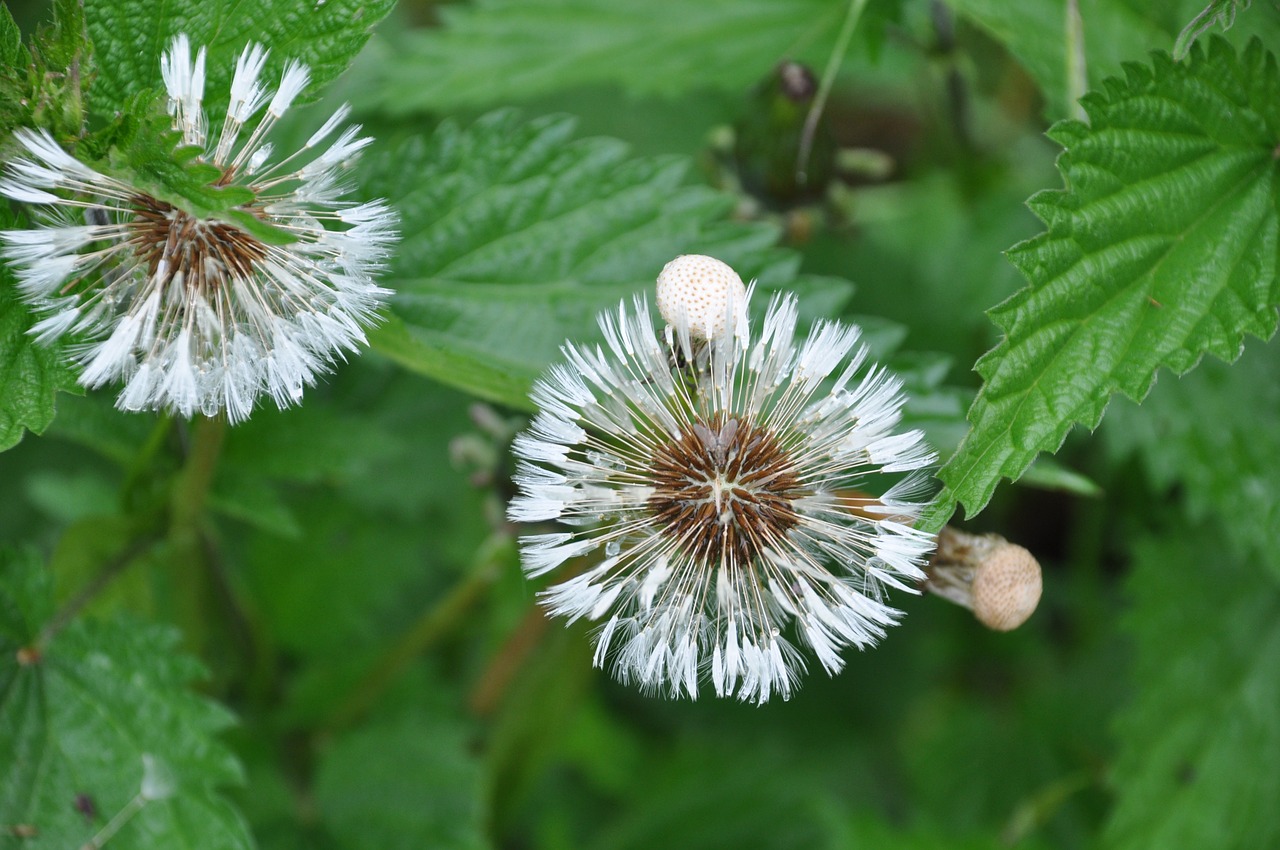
<point x="715" y="494"/>
<point x="197" y="313"/>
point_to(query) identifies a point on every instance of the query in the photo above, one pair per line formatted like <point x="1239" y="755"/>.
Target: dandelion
<point x="712" y="483"/>
<point x="204" y="313"/>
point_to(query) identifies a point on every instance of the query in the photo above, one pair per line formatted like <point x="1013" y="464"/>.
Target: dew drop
<point x="612" y="548"/>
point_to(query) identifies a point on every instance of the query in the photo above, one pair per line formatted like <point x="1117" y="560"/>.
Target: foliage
<point x="311" y="630"/>
<point x="1162" y="248"/>
<point x="101" y="713"/>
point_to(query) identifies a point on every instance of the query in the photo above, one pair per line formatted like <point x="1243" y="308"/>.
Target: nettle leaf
<point x="1115" y="31"/>
<point x="1193" y="769"/>
<point x="497" y="51"/>
<point x="30" y="374"/>
<point x="517" y="235"/>
<point x="1215" y="432"/>
<point x="1162" y="247"/>
<point x="131" y="35"/>
<point x="101" y="716"/>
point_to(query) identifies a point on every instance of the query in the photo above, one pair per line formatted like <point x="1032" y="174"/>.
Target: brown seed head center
<point x="725" y="491"/>
<point x="206" y="254"/>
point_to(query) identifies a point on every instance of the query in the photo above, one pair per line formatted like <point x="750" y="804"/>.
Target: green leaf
<point x="30" y="374"/>
<point x="499" y="51"/>
<point x="1215" y="434"/>
<point x="517" y="235"/>
<point x="132" y="34"/>
<point x="100" y="715"/>
<point x="1162" y="247"/>
<point x="1196" y="741"/>
<point x="405" y="783"/>
<point x="10" y="42"/>
<point x="1035" y="31"/>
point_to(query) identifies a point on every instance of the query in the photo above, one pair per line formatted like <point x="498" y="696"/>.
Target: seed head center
<point x="203" y="254"/>
<point x="725" y="491"/>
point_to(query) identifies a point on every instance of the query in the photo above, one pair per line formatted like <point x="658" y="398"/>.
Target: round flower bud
<point x="702" y="291"/>
<point x="1006" y="590"/>
<point x="998" y="580"/>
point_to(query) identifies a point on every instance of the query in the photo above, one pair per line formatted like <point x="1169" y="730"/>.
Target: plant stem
<point x="1077" y="72"/>
<point x="435" y="622"/>
<point x="824" y="89"/>
<point x="190" y="582"/>
<point x="110" y="571"/>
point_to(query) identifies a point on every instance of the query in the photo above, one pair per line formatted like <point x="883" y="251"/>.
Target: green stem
<point x="109" y="573"/>
<point x="824" y="89"/>
<point x="434" y="623"/>
<point x="190" y="582"/>
<point x="1077" y="71"/>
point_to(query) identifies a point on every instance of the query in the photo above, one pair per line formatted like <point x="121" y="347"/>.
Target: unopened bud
<point x="998" y="580"/>
<point x="702" y="291"/>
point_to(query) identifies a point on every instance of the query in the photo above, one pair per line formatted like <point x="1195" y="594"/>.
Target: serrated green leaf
<point x="405" y="783"/>
<point x="98" y="709"/>
<point x="517" y="235"/>
<point x="499" y="51"/>
<point x="1163" y="247"/>
<point x="1215" y="433"/>
<point x="1194" y="768"/>
<point x="10" y="41"/>
<point x="133" y="33"/>
<point x="30" y="374"/>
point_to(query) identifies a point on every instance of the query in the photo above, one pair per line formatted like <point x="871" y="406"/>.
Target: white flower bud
<point x="701" y="291"/>
<point x="998" y="580"/>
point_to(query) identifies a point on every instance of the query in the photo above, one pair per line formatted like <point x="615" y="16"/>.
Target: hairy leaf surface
<point x="1196" y="744"/>
<point x="130" y="35"/>
<point x="30" y="374"/>
<point x="1161" y="248"/>
<point x="100" y="713"/>
<point x="516" y="235"/>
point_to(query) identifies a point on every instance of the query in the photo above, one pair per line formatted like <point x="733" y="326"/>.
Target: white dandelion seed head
<point x="703" y="293"/>
<point x="716" y="508"/>
<point x="199" y="314"/>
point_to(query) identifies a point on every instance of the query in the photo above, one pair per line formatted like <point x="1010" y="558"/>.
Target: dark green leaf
<point x="517" y="235"/>
<point x="30" y="374"/>
<point x="1163" y="247"/>
<point x="1216" y="434"/>
<point x="133" y="34"/>
<point x="96" y="712"/>
<point x="1193" y="769"/>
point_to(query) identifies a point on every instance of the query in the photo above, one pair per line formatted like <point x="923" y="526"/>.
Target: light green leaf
<point x="1114" y="32"/>
<point x="1162" y="247"/>
<point x="1035" y="31"/>
<point x="131" y="34"/>
<point x="518" y="234"/>
<point x="406" y="783"/>
<point x="30" y="374"/>
<point x="1194" y="767"/>
<point x="499" y="51"/>
<point x="11" y="53"/>
<point x="1215" y="433"/>
<point x="97" y="711"/>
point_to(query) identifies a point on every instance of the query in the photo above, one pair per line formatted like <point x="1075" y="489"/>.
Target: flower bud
<point x="701" y="291"/>
<point x="998" y="580"/>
